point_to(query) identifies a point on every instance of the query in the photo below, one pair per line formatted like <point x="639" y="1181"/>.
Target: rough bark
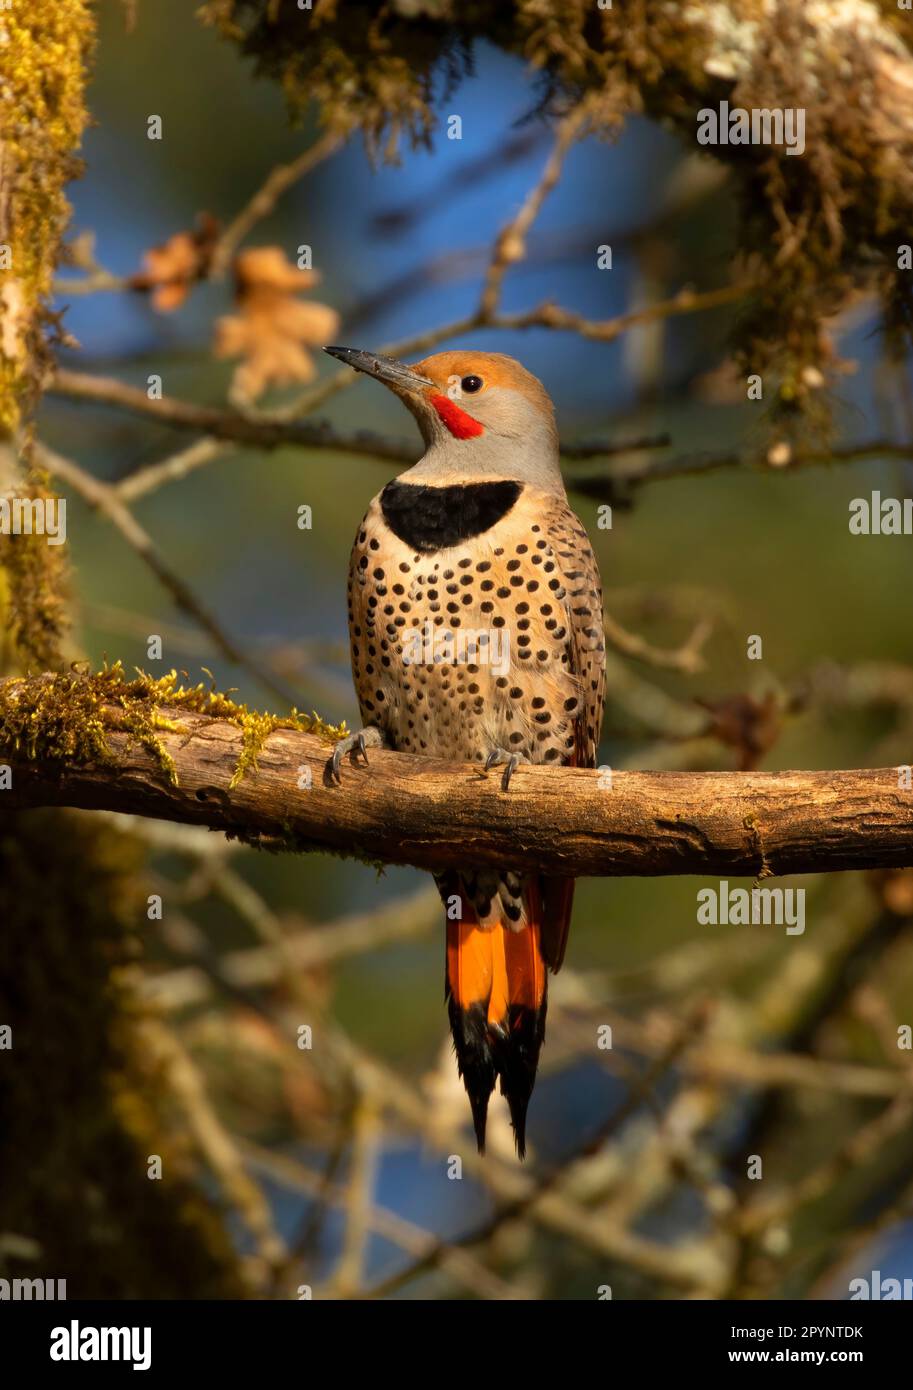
<point x="410" y="810"/>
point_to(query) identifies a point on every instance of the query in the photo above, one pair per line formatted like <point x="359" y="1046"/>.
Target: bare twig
<point x="215" y="1143"/>
<point x="171" y="469"/>
<point x="686" y="301"/>
<point x="617" y="485"/>
<point x="255" y="967"/>
<point x="267" y="196"/>
<point x="103" y="498"/>
<point x="552" y="1178"/>
<point x="261" y="430"/>
<point x="511" y="243"/>
<point x="686" y="658"/>
<point x="460" y="1265"/>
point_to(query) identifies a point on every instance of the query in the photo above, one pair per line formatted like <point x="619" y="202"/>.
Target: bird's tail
<point x="496" y="989"/>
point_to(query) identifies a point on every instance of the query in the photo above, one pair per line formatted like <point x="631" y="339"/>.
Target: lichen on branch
<point x="67" y="718"/>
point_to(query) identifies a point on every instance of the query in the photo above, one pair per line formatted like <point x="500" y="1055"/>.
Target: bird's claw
<point x="510" y="761"/>
<point x="354" y="744"/>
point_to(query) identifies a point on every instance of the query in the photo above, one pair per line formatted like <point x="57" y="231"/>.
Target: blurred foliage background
<point x="729" y="1041"/>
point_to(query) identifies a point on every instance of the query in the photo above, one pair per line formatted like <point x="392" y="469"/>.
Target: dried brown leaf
<point x="271" y="330"/>
<point x="174" y="267"/>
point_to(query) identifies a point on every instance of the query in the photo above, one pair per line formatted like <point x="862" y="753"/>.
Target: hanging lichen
<point x="816" y="227"/>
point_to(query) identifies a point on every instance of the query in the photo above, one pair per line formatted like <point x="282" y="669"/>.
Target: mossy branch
<point x="45" y="48"/>
<point x="152" y="748"/>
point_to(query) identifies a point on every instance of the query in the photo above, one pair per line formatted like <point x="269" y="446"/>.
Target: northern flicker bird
<point x="475" y="622"/>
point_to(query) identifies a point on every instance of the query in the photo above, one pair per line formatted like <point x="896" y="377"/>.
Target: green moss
<point x="67" y="716"/>
<point x="46" y="48"/>
<point x="33" y="592"/>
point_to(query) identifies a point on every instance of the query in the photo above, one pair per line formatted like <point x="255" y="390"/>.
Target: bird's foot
<point x="355" y="743"/>
<point x="510" y="761"/>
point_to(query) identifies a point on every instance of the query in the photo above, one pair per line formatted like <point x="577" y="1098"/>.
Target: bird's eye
<point x="471" y="383"/>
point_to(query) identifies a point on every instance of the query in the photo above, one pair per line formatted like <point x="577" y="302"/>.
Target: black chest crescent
<point x="433" y="518"/>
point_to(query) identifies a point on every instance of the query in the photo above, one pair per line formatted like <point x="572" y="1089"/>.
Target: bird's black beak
<point x="386" y="369"/>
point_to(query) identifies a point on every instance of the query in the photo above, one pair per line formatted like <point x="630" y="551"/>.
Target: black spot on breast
<point x="433" y="518"/>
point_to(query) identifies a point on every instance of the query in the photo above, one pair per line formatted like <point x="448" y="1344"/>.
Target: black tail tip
<point x="518" y="1104"/>
<point x="475" y="1062"/>
<point x="484" y="1053"/>
<point x="479" y="1105"/>
<point x="517" y="1059"/>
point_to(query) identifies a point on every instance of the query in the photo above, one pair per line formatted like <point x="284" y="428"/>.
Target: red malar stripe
<point x="460" y="425"/>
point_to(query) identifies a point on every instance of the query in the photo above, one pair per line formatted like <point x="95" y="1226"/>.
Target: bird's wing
<point x="586" y="636"/>
<point x="586" y="658"/>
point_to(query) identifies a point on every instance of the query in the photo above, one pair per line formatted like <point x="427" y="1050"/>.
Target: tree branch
<point x="261" y="431"/>
<point x="409" y="810"/>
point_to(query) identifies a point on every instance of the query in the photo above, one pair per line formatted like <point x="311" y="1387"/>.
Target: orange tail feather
<point x="468" y="991"/>
<point x="518" y="1040"/>
<point x="496" y="989"/>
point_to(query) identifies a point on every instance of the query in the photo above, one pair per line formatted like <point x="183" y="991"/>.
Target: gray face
<point x="516" y="436"/>
<point x="517" y="441"/>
